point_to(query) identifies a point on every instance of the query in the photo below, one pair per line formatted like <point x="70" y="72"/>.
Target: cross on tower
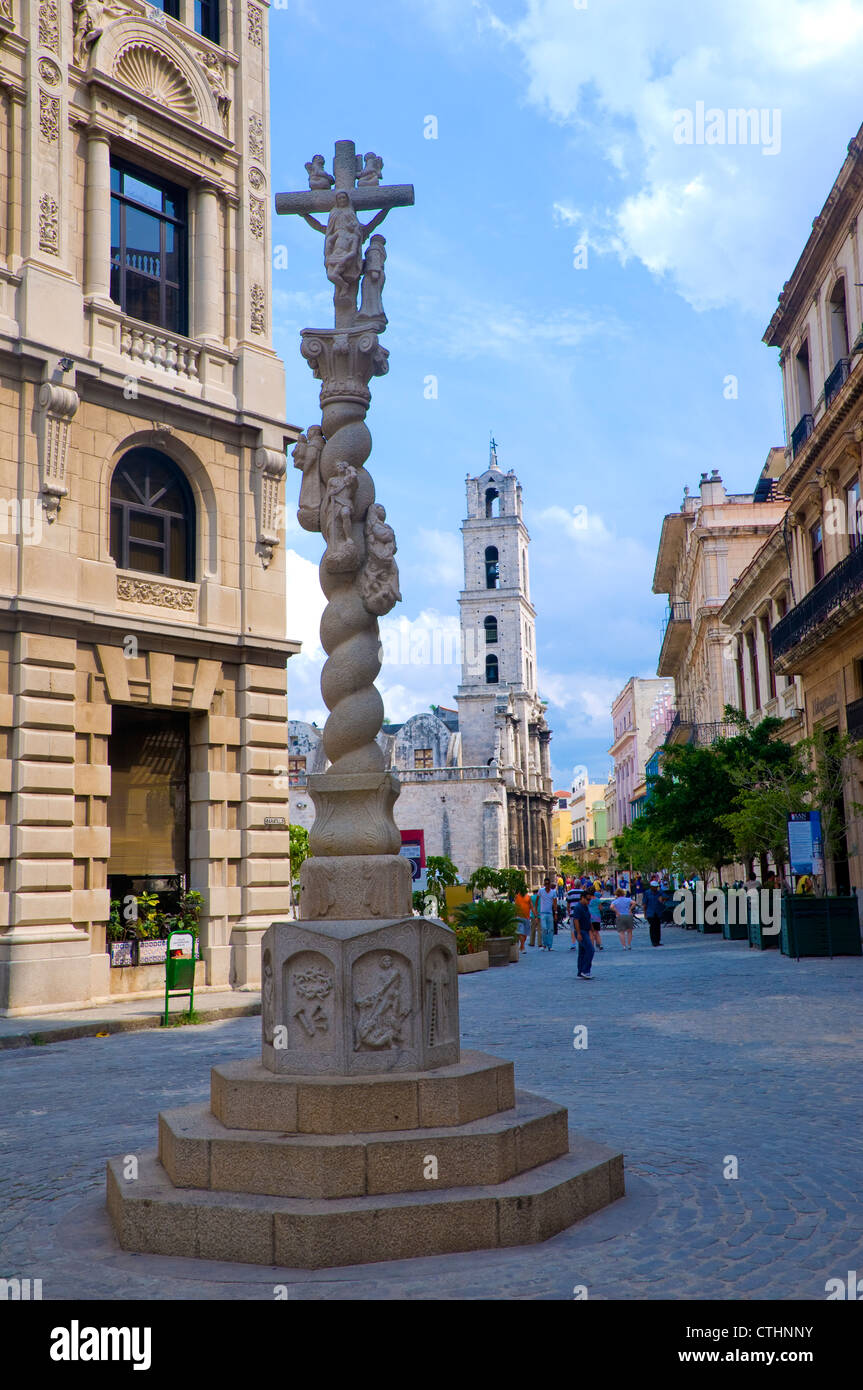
<point x="344" y="233"/>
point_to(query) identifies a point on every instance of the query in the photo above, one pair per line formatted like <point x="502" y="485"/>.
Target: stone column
<point x="97" y="224"/>
<point x="208" y="265"/>
<point x="356" y="870"/>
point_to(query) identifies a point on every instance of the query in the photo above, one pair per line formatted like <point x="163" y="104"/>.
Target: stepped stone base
<point x="152" y="1216"/>
<point x="316" y="1171"/>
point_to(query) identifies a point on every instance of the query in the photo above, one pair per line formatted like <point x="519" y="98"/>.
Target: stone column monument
<point x="362" y="1133"/>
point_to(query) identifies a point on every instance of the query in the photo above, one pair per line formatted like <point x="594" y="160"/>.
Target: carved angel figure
<point x="379" y="582"/>
<point x="215" y="75"/>
<point x="370" y="176"/>
<point x="318" y="176"/>
<point x="88" y="25"/>
<point x="337" y="516"/>
<point x="374" y="278"/>
<point x="307" y="456"/>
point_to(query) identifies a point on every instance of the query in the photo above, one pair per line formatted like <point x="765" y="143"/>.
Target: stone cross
<point x="345" y="265"/>
<point x="356" y="871"/>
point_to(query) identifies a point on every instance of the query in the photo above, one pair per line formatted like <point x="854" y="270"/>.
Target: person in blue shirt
<point x="654" y="908"/>
<point x="581" y="922"/>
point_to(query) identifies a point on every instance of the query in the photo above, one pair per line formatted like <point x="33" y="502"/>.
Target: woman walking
<point x="622" y="907"/>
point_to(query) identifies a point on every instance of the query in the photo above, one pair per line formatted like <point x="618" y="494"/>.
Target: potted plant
<point x="121" y="950"/>
<point x="470" y="946"/>
<point x="497" y="919"/>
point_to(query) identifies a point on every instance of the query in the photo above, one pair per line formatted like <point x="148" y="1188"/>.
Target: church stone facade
<point x="142" y="463"/>
<point x="476" y="779"/>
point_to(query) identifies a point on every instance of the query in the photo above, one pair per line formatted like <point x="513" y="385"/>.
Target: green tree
<point x="441" y="873"/>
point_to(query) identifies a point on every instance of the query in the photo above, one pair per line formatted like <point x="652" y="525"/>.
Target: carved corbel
<point x="271" y="467"/>
<point x="57" y="406"/>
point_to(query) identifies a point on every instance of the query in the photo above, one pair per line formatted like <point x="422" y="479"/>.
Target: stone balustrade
<point x="154" y="347"/>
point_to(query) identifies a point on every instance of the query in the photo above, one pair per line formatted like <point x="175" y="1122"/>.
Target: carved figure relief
<point x="370" y="173"/>
<point x="255" y="28"/>
<point x="6" y="9"/>
<point x="215" y="75"/>
<point x="374" y="278"/>
<point x="307" y="457"/>
<point x="439" y="1020"/>
<point x="344" y="237"/>
<point x="256" y="179"/>
<point x="49" y="227"/>
<point x="88" y="25"/>
<point x="379" y="581"/>
<point x="48" y="70"/>
<point x="258" y="309"/>
<point x="49" y="117"/>
<point x="319" y="179"/>
<point x="337" y="515"/>
<point x="380" y="1014"/>
<point x="268" y="998"/>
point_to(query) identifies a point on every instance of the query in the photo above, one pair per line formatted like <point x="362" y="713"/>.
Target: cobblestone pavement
<point x="701" y="1050"/>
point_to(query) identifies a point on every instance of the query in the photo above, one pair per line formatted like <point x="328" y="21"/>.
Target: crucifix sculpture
<point x="356" y="870"/>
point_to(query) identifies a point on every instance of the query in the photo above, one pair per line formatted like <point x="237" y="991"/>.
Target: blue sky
<point x="604" y="385"/>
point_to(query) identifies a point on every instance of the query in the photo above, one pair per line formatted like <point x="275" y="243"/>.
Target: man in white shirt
<point x="547" y="908"/>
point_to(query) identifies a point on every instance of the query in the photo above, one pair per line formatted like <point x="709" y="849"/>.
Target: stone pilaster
<point x="265" y="873"/>
<point x="44" y="956"/>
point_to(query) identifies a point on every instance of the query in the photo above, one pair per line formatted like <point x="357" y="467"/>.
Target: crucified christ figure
<point x="343" y="247"/>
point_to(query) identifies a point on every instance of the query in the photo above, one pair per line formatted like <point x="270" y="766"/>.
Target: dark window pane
<point x="177" y="560"/>
<point x="173" y="314"/>
<point x="144" y="558"/>
<point x="142" y="298"/>
<point x="115" y="228"/>
<point x="116" y="179"/>
<point x="115" y="284"/>
<point x="144" y="526"/>
<point x="116" y="535"/>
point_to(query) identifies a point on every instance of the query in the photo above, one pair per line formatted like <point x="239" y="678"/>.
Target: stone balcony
<point x="146" y="355"/>
<point x="676" y="632"/>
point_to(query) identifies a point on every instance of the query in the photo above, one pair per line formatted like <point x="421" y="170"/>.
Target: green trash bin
<point x="180" y="968"/>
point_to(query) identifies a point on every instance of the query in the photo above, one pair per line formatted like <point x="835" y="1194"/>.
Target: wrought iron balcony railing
<point x="801" y="432"/>
<point x="836" y="380"/>
<point x="837" y="587"/>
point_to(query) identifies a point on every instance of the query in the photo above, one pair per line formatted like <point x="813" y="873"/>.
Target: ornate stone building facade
<point x="142" y="461"/>
<point x="703" y="548"/>
<point x="818" y="638"/>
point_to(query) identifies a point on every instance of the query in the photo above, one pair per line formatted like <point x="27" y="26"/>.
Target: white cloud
<point x="436" y="557"/>
<point x="706" y="215"/>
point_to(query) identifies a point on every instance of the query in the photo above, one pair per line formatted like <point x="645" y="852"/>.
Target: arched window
<point x="491" y="671"/>
<point x="492" y="568"/>
<point x="152" y="516"/>
<point x="492" y="502"/>
<point x="490" y="626"/>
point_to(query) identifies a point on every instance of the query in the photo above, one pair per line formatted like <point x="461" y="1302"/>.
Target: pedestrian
<point x="654" y="906"/>
<point x="583" y="936"/>
<point x="571" y="899"/>
<point x="535" y="924"/>
<point x="622" y="907"/>
<point x="595" y="920"/>
<point x="522" y="911"/>
<point x="547" y="907"/>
